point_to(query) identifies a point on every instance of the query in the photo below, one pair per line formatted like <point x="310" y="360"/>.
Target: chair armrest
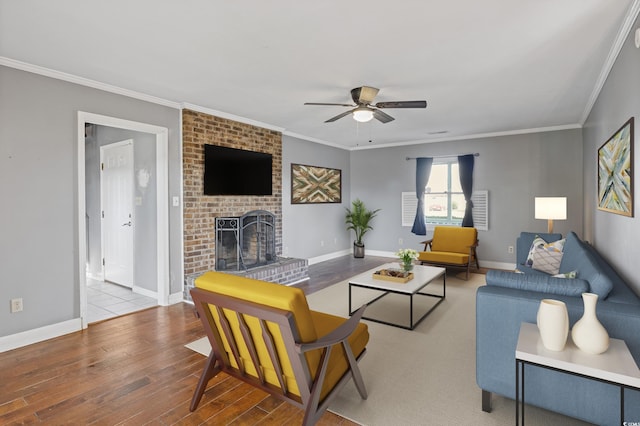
<point x="336" y="336"/>
<point x="426" y="243"/>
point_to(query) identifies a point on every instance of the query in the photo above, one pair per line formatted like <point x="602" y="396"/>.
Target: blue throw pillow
<point x="577" y="257"/>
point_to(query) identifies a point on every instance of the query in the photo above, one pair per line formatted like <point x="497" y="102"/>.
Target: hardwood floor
<point x="135" y="370"/>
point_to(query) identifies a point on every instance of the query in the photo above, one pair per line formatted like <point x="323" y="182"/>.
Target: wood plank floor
<point x="135" y="370"/>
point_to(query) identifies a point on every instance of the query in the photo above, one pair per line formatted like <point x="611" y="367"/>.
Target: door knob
<point x="127" y="224"/>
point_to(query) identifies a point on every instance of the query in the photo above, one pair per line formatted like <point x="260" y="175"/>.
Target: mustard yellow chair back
<point x="453" y="239"/>
<point x="265" y="334"/>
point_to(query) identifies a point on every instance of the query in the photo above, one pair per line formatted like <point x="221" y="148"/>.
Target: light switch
<point x="176" y="201"/>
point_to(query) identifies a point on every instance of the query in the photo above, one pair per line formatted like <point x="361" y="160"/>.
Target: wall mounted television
<point x="231" y="171"/>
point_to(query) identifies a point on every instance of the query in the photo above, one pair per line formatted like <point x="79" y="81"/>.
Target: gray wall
<point x="514" y="169"/>
<point x="145" y="223"/>
<point x="38" y="186"/>
<point x="615" y="237"/>
<point x="313" y="230"/>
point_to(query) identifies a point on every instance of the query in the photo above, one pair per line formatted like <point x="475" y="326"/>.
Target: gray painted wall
<point x="614" y="236"/>
<point x="514" y="169"/>
<point x="145" y="223"/>
<point x="313" y="230"/>
<point x="38" y="185"/>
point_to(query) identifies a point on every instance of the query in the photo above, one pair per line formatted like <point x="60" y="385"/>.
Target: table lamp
<point x="551" y="208"/>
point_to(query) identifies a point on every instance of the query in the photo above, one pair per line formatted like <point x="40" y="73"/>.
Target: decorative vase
<point x="588" y="334"/>
<point x="553" y="324"/>
<point x="407" y="267"/>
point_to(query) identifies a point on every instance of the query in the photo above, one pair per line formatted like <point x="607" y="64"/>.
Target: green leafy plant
<point x="358" y="219"/>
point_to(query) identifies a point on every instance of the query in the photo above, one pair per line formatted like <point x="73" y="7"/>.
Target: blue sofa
<point x="510" y="298"/>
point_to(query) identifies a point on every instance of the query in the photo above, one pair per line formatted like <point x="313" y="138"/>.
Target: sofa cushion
<point x="443" y="257"/>
<point x="542" y="283"/>
<point x="578" y="257"/>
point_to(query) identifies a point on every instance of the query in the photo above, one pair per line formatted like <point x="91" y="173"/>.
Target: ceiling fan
<point x="365" y="110"/>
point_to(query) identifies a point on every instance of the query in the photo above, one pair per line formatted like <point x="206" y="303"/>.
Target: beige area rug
<point x="420" y="377"/>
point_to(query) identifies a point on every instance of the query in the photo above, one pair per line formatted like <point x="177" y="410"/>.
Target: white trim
<point x="228" y="116"/>
<point x="621" y="38"/>
<point x="314" y="140"/>
<point x="497" y="265"/>
<point x="35" y="69"/>
<point x="145" y="292"/>
<point x="175" y="298"/>
<point x="474" y="136"/>
<point x="36" y="335"/>
<point x="329" y="256"/>
<point x="162" y="143"/>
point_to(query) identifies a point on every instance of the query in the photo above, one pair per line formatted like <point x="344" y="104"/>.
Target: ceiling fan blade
<point x="364" y="94"/>
<point x="402" y="104"/>
<point x="322" y="103"/>
<point x="338" y="117"/>
<point x="382" y="116"/>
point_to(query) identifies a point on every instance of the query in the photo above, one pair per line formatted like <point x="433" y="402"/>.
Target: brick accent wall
<point x="201" y="210"/>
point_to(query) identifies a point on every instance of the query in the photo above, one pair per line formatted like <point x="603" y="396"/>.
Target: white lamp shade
<point x="362" y="114"/>
<point x="551" y="208"/>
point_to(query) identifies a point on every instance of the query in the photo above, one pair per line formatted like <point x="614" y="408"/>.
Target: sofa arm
<point x="499" y="313"/>
<point x="538" y="283"/>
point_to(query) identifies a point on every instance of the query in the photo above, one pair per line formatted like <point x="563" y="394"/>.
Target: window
<point x="444" y="201"/>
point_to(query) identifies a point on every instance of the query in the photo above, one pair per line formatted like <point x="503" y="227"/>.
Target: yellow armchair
<point x="266" y="335"/>
<point x="451" y="246"/>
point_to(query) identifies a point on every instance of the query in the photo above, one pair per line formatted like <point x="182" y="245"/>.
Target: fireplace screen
<point x="245" y="242"/>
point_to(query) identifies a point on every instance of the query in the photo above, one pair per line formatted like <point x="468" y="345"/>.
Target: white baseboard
<point x="175" y="298"/>
<point x="497" y="265"/>
<point x="145" y="292"/>
<point x="36" y="335"/>
<point x="318" y="259"/>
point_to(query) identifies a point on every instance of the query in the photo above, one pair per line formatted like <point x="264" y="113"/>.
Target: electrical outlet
<point x="400" y="241"/>
<point x="16" y="305"/>
<point x="510" y="249"/>
<point x="321" y="243"/>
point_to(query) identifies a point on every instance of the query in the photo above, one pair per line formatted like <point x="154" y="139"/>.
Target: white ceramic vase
<point x="588" y="334"/>
<point x="553" y="324"/>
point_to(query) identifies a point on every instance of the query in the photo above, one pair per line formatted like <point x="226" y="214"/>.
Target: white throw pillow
<point x="547" y="261"/>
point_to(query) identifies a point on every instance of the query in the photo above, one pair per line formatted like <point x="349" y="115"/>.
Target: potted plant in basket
<point x="358" y="219"/>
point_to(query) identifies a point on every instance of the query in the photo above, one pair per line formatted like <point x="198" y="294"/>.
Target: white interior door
<point x="116" y="189"/>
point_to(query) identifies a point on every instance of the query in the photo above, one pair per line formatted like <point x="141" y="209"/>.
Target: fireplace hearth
<point x="245" y="242"/>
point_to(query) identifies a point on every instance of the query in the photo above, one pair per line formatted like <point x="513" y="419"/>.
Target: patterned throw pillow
<point x="537" y="241"/>
<point x="571" y="274"/>
<point x="547" y="260"/>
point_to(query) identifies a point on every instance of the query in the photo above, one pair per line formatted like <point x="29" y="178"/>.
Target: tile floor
<point x="106" y="300"/>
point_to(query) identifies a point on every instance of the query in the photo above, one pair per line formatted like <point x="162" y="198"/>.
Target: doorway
<point x="151" y="193"/>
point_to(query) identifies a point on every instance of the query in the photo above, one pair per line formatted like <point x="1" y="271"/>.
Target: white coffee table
<point x="423" y="275"/>
<point x="616" y="366"/>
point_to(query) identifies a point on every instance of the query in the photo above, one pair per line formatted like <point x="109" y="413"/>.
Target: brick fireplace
<point x="201" y="211"/>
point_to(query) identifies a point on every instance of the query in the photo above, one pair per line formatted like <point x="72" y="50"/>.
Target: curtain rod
<point x="475" y="154"/>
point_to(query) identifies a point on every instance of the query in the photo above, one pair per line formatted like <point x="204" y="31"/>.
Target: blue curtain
<point x="465" y="166"/>
<point x="423" y="170"/>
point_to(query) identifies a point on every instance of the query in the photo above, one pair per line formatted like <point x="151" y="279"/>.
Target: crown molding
<point x="621" y="38"/>
<point x="228" y="116"/>
<point x="315" y="140"/>
<point x="474" y="136"/>
<point x="47" y="72"/>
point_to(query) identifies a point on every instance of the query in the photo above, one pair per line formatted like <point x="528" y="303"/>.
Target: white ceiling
<point x="484" y="67"/>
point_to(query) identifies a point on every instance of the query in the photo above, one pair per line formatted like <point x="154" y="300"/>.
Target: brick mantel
<point x="201" y="210"/>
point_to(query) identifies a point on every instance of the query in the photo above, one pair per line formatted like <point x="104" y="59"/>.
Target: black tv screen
<point x="230" y="171"/>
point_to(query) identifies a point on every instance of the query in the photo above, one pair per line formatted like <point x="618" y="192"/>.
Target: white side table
<point x="616" y="366"/>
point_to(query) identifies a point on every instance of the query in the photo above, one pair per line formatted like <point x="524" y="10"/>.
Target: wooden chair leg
<point x="355" y="371"/>
<point x="210" y="370"/>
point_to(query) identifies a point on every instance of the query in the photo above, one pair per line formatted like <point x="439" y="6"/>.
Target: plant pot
<point x="358" y="250"/>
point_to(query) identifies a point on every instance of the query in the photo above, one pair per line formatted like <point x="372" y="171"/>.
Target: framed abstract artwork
<point x="315" y="185"/>
<point x="615" y="172"/>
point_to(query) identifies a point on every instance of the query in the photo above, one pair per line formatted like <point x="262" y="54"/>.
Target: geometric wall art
<point x="315" y="185"/>
<point x="615" y="172"/>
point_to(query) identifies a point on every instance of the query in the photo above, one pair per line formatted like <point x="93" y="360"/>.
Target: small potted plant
<point x="407" y="256"/>
<point x="358" y="219"/>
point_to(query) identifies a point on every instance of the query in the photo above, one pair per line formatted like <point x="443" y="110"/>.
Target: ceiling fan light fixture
<point x="362" y="114"/>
